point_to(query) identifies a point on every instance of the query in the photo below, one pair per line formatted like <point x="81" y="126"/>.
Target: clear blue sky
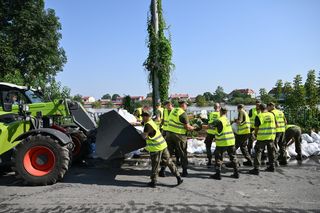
<point x="235" y="44"/>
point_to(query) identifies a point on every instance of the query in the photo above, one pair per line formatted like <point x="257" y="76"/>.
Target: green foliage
<point x="300" y="104"/>
<point x="29" y="43"/>
<point x="159" y="60"/>
<point x="201" y="101"/>
<point x="128" y="104"/>
<point x="208" y="96"/>
<point x="149" y="95"/>
<point x="115" y="96"/>
<point x="265" y="97"/>
<point x="106" y="96"/>
<point x="54" y="91"/>
<point x="96" y="105"/>
<point x="219" y="95"/>
<point x="311" y="90"/>
<point x="78" y="98"/>
<point x="298" y="93"/>
<point x="279" y="88"/>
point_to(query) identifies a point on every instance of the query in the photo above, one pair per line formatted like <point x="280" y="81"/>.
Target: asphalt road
<point x="104" y="188"/>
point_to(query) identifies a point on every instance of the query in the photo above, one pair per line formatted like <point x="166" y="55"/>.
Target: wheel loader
<point x="63" y="115"/>
<point x="39" y="147"/>
<point x="38" y="156"/>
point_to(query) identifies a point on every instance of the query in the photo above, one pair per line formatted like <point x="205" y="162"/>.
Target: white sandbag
<point x="196" y="146"/>
<point x="307" y="138"/>
<point x="235" y="127"/>
<point x="315" y="137"/>
<point x="291" y="151"/>
<point x="128" y="116"/>
<point x="312" y="149"/>
<point x="204" y="114"/>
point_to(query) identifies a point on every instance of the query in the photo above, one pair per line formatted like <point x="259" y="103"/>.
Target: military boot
<point x="179" y="180"/>
<point x="184" y="173"/>
<point x="162" y="172"/>
<point x="216" y="176"/>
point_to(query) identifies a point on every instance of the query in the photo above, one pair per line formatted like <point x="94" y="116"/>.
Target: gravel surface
<point x="99" y="187"/>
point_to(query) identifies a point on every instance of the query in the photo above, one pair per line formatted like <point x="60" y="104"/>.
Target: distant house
<point x="180" y="96"/>
<point x="105" y="103"/>
<point x="118" y="101"/>
<point x="249" y="92"/>
<point x="137" y="98"/>
<point x="273" y="93"/>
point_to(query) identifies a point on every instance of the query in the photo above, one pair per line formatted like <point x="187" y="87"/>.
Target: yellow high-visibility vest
<point x="139" y="117"/>
<point x="175" y="124"/>
<point x="244" y="127"/>
<point x="267" y="128"/>
<point x="280" y="120"/>
<point x="226" y="137"/>
<point x="213" y="116"/>
<point x="157" y="142"/>
<point x="165" y="125"/>
<point x="253" y="117"/>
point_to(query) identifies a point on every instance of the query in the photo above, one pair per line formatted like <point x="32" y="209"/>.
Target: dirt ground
<point x="98" y="187"/>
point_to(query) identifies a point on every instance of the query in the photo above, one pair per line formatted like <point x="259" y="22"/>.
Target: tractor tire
<point x="81" y="146"/>
<point x="40" y="160"/>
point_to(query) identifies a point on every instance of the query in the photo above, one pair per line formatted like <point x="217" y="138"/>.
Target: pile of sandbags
<point x="310" y="145"/>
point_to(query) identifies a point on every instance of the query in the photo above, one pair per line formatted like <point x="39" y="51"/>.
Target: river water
<point x="232" y="110"/>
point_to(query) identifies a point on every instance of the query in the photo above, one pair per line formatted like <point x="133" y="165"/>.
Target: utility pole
<point x="155" y="82"/>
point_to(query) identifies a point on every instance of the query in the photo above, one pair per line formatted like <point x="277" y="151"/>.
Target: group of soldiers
<point x="166" y="134"/>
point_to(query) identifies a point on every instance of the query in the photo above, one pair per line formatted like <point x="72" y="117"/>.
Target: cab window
<point x="34" y="97"/>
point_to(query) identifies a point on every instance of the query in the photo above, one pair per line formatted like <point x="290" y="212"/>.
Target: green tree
<point x="201" y="101"/>
<point x="106" y="96"/>
<point x="265" y="97"/>
<point x="128" y="104"/>
<point x="219" y="95"/>
<point x="78" y="98"/>
<point x="149" y="95"/>
<point x="96" y="105"/>
<point x="54" y="91"/>
<point x="319" y="87"/>
<point x="115" y="96"/>
<point x="29" y="42"/>
<point x="208" y="96"/>
<point x="279" y="88"/>
<point x="298" y="92"/>
<point x="159" y="62"/>
<point x="311" y="90"/>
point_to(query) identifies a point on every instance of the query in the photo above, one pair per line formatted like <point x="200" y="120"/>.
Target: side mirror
<point x="7" y="107"/>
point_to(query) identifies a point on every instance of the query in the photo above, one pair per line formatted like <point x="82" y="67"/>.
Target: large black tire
<point x="41" y="160"/>
<point x="81" y="146"/>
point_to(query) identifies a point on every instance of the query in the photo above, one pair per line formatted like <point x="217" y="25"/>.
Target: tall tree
<point x="29" y="42"/>
<point x="319" y="87"/>
<point x="106" y="96"/>
<point x="311" y="90"/>
<point x="159" y="62"/>
<point x="298" y="92"/>
<point x="279" y="89"/>
<point x="219" y="94"/>
<point x="115" y="96"/>
<point x="201" y="101"/>
<point x="128" y="104"/>
<point x="265" y="97"/>
<point x="208" y="96"/>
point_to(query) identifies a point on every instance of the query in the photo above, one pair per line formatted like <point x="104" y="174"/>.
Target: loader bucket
<point x="116" y="137"/>
<point x="81" y="117"/>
